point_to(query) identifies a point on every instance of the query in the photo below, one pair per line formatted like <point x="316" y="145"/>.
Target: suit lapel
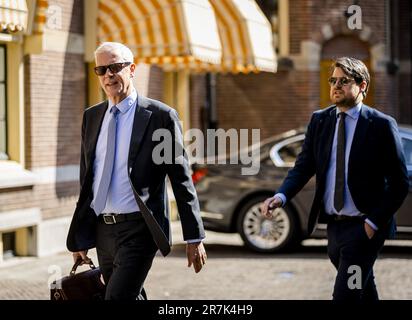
<point x="327" y="135"/>
<point x="95" y="126"/>
<point x="140" y="122"/>
<point x="360" y="132"/>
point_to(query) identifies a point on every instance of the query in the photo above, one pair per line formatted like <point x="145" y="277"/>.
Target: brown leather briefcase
<point x="79" y="286"/>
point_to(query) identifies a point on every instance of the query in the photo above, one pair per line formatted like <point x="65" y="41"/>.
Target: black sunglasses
<point x="342" y="81"/>
<point x="114" y="68"/>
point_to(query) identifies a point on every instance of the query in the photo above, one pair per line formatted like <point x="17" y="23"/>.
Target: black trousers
<point x="125" y="252"/>
<point x="353" y="254"/>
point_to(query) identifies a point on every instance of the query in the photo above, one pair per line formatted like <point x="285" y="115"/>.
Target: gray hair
<point x="124" y="52"/>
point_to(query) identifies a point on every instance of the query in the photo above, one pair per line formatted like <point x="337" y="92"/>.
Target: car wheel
<point x="267" y="235"/>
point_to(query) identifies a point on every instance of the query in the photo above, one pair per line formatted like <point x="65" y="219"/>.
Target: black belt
<point x="341" y="217"/>
<point x="113" y="218"/>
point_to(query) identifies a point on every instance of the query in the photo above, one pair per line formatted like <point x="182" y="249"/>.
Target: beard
<point x="342" y="100"/>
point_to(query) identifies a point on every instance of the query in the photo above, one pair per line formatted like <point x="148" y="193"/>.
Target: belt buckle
<point x="109" y="219"/>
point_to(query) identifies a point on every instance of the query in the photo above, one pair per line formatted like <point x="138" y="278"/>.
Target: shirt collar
<point x="352" y="112"/>
<point x="126" y="103"/>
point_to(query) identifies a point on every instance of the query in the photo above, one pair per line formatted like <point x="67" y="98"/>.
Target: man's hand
<point x="369" y="230"/>
<point x="81" y="255"/>
<point x="196" y="255"/>
<point x="269" y="205"/>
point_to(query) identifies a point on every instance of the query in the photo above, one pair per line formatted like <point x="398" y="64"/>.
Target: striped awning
<point x="13" y="16"/>
<point x="175" y="34"/>
<point x="40" y="16"/>
<point x="246" y="36"/>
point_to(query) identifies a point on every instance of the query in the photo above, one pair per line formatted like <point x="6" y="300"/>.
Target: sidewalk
<point x="231" y="272"/>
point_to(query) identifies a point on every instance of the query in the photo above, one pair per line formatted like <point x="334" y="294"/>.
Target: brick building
<point x="46" y="81"/>
<point x="310" y="34"/>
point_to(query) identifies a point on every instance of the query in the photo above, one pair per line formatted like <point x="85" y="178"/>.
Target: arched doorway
<point x="340" y="46"/>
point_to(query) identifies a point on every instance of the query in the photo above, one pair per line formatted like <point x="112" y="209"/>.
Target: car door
<point x="283" y="155"/>
<point x="404" y="215"/>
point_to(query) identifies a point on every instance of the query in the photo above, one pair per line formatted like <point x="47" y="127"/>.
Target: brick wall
<point x="272" y="102"/>
<point x="55" y="97"/>
<point x="71" y="14"/>
<point x="55" y="200"/>
<point x="155" y="83"/>
<point x="405" y="54"/>
<point x="308" y="17"/>
<point x="197" y="100"/>
<point x="148" y="81"/>
<point x="285" y="100"/>
<point x="56" y="91"/>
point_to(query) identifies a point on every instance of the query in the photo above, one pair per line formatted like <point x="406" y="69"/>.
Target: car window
<point x="289" y="152"/>
<point x="407" y="149"/>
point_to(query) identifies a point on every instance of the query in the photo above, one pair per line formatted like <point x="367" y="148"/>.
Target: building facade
<point x="310" y="34"/>
<point x="47" y="80"/>
<point x="213" y="60"/>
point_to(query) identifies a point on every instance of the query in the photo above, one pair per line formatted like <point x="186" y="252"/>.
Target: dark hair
<point x="354" y="68"/>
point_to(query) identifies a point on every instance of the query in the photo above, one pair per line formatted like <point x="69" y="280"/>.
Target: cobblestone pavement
<point x="232" y="272"/>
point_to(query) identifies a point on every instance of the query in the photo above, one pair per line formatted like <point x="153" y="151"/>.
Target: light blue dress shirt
<point x="349" y="208"/>
<point x="120" y="197"/>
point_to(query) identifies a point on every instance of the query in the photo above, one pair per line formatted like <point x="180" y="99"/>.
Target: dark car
<point x="230" y="202"/>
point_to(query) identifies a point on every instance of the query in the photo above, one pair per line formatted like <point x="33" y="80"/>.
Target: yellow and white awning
<point x="13" y="16"/>
<point x="40" y="16"/>
<point x="175" y="34"/>
<point x="246" y="36"/>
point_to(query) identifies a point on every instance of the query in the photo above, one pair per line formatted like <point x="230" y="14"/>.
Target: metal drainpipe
<point x="410" y="51"/>
<point x="211" y="110"/>
<point x="392" y="65"/>
<point x="211" y="100"/>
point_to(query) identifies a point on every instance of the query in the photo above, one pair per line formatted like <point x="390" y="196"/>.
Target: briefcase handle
<point x="78" y="262"/>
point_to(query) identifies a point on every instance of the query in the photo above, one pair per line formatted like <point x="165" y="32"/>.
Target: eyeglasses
<point x="114" y="68"/>
<point x="343" y="81"/>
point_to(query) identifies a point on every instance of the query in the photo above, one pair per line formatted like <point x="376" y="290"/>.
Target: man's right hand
<point x="269" y="205"/>
<point x="81" y="255"/>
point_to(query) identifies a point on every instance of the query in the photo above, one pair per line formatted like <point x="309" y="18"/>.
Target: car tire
<point x="267" y="236"/>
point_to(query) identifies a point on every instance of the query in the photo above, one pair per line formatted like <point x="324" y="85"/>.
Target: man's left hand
<point x="369" y="230"/>
<point x="196" y="255"/>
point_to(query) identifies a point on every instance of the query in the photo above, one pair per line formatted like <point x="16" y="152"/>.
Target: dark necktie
<point x="101" y="196"/>
<point x="340" y="165"/>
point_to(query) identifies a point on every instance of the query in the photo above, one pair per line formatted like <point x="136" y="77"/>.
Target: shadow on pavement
<point x="302" y="252"/>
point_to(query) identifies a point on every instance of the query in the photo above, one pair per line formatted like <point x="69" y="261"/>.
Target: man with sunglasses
<point x="361" y="179"/>
<point x="122" y="208"/>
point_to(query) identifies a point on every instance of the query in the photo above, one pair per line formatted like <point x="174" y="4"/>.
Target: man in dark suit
<point x="361" y="179"/>
<point x="122" y="208"/>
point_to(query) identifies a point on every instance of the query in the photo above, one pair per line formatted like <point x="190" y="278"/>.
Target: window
<point x="289" y="152"/>
<point x="9" y="245"/>
<point x="3" y="104"/>
<point x="284" y="153"/>
<point x="407" y="149"/>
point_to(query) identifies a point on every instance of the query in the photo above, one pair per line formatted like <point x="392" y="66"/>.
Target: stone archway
<point x="339" y="46"/>
<point x="338" y="28"/>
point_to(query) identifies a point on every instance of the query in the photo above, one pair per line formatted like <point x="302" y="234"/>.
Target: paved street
<point x="232" y="272"/>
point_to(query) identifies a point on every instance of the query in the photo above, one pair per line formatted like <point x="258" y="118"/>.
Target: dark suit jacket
<point x="377" y="174"/>
<point x="145" y="174"/>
